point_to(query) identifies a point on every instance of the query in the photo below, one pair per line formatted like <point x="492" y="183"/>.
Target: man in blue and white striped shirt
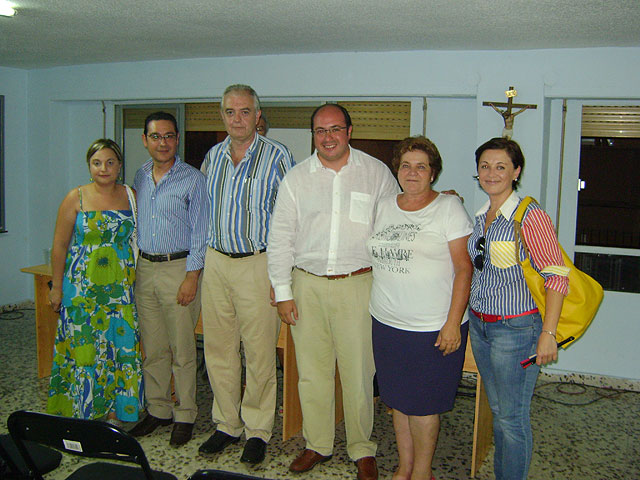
<point x="243" y="175"/>
<point x="172" y="224"/>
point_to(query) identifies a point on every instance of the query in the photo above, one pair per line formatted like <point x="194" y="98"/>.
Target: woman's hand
<point x="55" y="298"/>
<point x="547" y="349"/>
<point x="449" y="338"/>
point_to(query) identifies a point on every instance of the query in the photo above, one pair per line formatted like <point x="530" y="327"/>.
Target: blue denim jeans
<point x="498" y="349"/>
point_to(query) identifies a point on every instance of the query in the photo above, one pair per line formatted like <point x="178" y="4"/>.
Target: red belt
<point x="496" y="318"/>
<point x="342" y="275"/>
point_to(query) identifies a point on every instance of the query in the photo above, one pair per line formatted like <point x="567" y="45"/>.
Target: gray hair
<point x="240" y="88"/>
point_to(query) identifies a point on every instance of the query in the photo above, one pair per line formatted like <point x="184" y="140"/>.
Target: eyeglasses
<point x="322" y="132"/>
<point x="478" y="262"/>
<point x="169" y="137"/>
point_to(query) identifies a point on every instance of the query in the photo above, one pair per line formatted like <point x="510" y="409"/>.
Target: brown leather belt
<point x="496" y="318"/>
<point x="342" y="275"/>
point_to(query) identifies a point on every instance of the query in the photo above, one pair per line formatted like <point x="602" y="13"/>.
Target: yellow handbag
<point x="585" y="294"/>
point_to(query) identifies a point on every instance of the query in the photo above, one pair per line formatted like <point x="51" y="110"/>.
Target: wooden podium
<point x="46" y="318"/>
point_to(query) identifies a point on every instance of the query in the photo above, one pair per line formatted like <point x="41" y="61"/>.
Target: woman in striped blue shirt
<point x="505" y="324"/>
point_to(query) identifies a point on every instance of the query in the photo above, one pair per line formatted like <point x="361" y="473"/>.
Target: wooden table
<point x="46" y="318"/>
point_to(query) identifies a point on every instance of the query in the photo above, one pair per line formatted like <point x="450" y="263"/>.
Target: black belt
<point x="163" y="257"/>
<point x="241" y="255"/>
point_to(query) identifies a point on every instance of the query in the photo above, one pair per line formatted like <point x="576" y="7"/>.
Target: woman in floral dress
<point x="97" y="367"/>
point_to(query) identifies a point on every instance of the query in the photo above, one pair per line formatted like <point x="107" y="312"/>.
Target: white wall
<point x="135" y="154"/>
<point x="298" y="141"/>
<point x="63" y="114"/>
<point x="15" y="286"/>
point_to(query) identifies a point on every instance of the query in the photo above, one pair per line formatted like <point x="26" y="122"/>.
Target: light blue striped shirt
<point x="243" y="197"/>
<point x="172" y="215"/>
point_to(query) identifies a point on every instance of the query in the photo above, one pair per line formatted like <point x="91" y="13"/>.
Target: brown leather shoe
<point x="367" y="468"/>
<point x="307" y="460"/>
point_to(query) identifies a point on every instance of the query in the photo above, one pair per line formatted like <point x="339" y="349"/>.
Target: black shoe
<point x="254" y="450"/>
<point x="217" y="442"/>
<point x="181" y="434"/>
<point x="148" y="425"/>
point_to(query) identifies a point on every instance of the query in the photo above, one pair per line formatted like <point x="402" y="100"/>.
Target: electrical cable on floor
<point x="563" y="388"/>
<point x="15" y="314"/>
<point x="610" y="393"/>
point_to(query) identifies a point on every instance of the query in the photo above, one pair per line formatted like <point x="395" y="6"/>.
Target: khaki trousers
<point x="168" y="341"/>
<point x="334" y="324"/>
<point x="236" y="308"/>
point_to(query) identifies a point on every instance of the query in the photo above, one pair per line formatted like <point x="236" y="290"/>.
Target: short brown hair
<point x="511" y="148"/>
<point x="101" y="144"/>
<point x="421" y="144"/>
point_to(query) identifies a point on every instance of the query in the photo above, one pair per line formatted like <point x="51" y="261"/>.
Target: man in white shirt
<point x="321" y="274"/>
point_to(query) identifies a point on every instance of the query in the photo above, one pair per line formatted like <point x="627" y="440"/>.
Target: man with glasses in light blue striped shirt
<point x="172" y="224"/>
<point x="243" y="175"/>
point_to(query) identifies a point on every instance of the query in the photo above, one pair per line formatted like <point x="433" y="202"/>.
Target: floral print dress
<point x="97" y="366"/>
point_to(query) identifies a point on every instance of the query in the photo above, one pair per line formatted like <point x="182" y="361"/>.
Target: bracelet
<point x="550" y="333"/>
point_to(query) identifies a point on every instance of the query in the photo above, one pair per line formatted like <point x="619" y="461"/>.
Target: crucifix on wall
<point x="508" y="115"/>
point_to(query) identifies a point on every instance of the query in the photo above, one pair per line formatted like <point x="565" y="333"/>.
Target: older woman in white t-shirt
<point x="421" y="280"/>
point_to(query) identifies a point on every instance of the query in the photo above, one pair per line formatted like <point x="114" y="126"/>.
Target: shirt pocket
<point x="360" y="208"/>
<point x="502" y="254"/>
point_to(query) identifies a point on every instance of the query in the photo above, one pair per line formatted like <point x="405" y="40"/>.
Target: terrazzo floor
<point x="580" y="432"/>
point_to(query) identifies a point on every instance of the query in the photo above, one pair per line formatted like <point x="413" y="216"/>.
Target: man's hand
<point x="188" y="288"/>
<point x="288" y="311"/>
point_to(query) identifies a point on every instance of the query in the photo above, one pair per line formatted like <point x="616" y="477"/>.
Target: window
<point x="608" y="216"/>
<point x="608" y="200"/>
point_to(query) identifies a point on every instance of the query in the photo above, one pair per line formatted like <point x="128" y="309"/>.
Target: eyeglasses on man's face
<point x="322" y="132"/>
<point x="478" y="261"/>
<point x="169" y="137"/>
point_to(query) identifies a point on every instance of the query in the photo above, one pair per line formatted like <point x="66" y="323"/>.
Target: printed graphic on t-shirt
<point x="388" y="254"/>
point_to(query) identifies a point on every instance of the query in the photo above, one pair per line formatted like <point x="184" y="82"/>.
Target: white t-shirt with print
<point x="412" y="267"/>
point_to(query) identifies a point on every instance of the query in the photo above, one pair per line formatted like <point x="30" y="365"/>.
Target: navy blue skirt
<point x="413" y="375"/>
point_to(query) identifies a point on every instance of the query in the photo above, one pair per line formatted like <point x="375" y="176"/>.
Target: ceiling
<point x="47" y="33"/>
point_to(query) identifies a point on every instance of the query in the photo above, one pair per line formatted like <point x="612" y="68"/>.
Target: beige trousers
<point x="236" y="308"/>
<point x="334" y="324"/>
<point x="168" y="341"/>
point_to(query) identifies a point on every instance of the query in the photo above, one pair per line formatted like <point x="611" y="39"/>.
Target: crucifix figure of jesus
<point x="508" y="115"/>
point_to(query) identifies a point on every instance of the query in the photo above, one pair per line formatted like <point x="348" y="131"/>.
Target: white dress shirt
<point x="323" y="218"/>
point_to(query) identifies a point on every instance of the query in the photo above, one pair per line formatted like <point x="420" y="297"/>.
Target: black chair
<point x="12" y="466"/>
<point x="87" y="438"/>
<point x="220" y="475"/>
